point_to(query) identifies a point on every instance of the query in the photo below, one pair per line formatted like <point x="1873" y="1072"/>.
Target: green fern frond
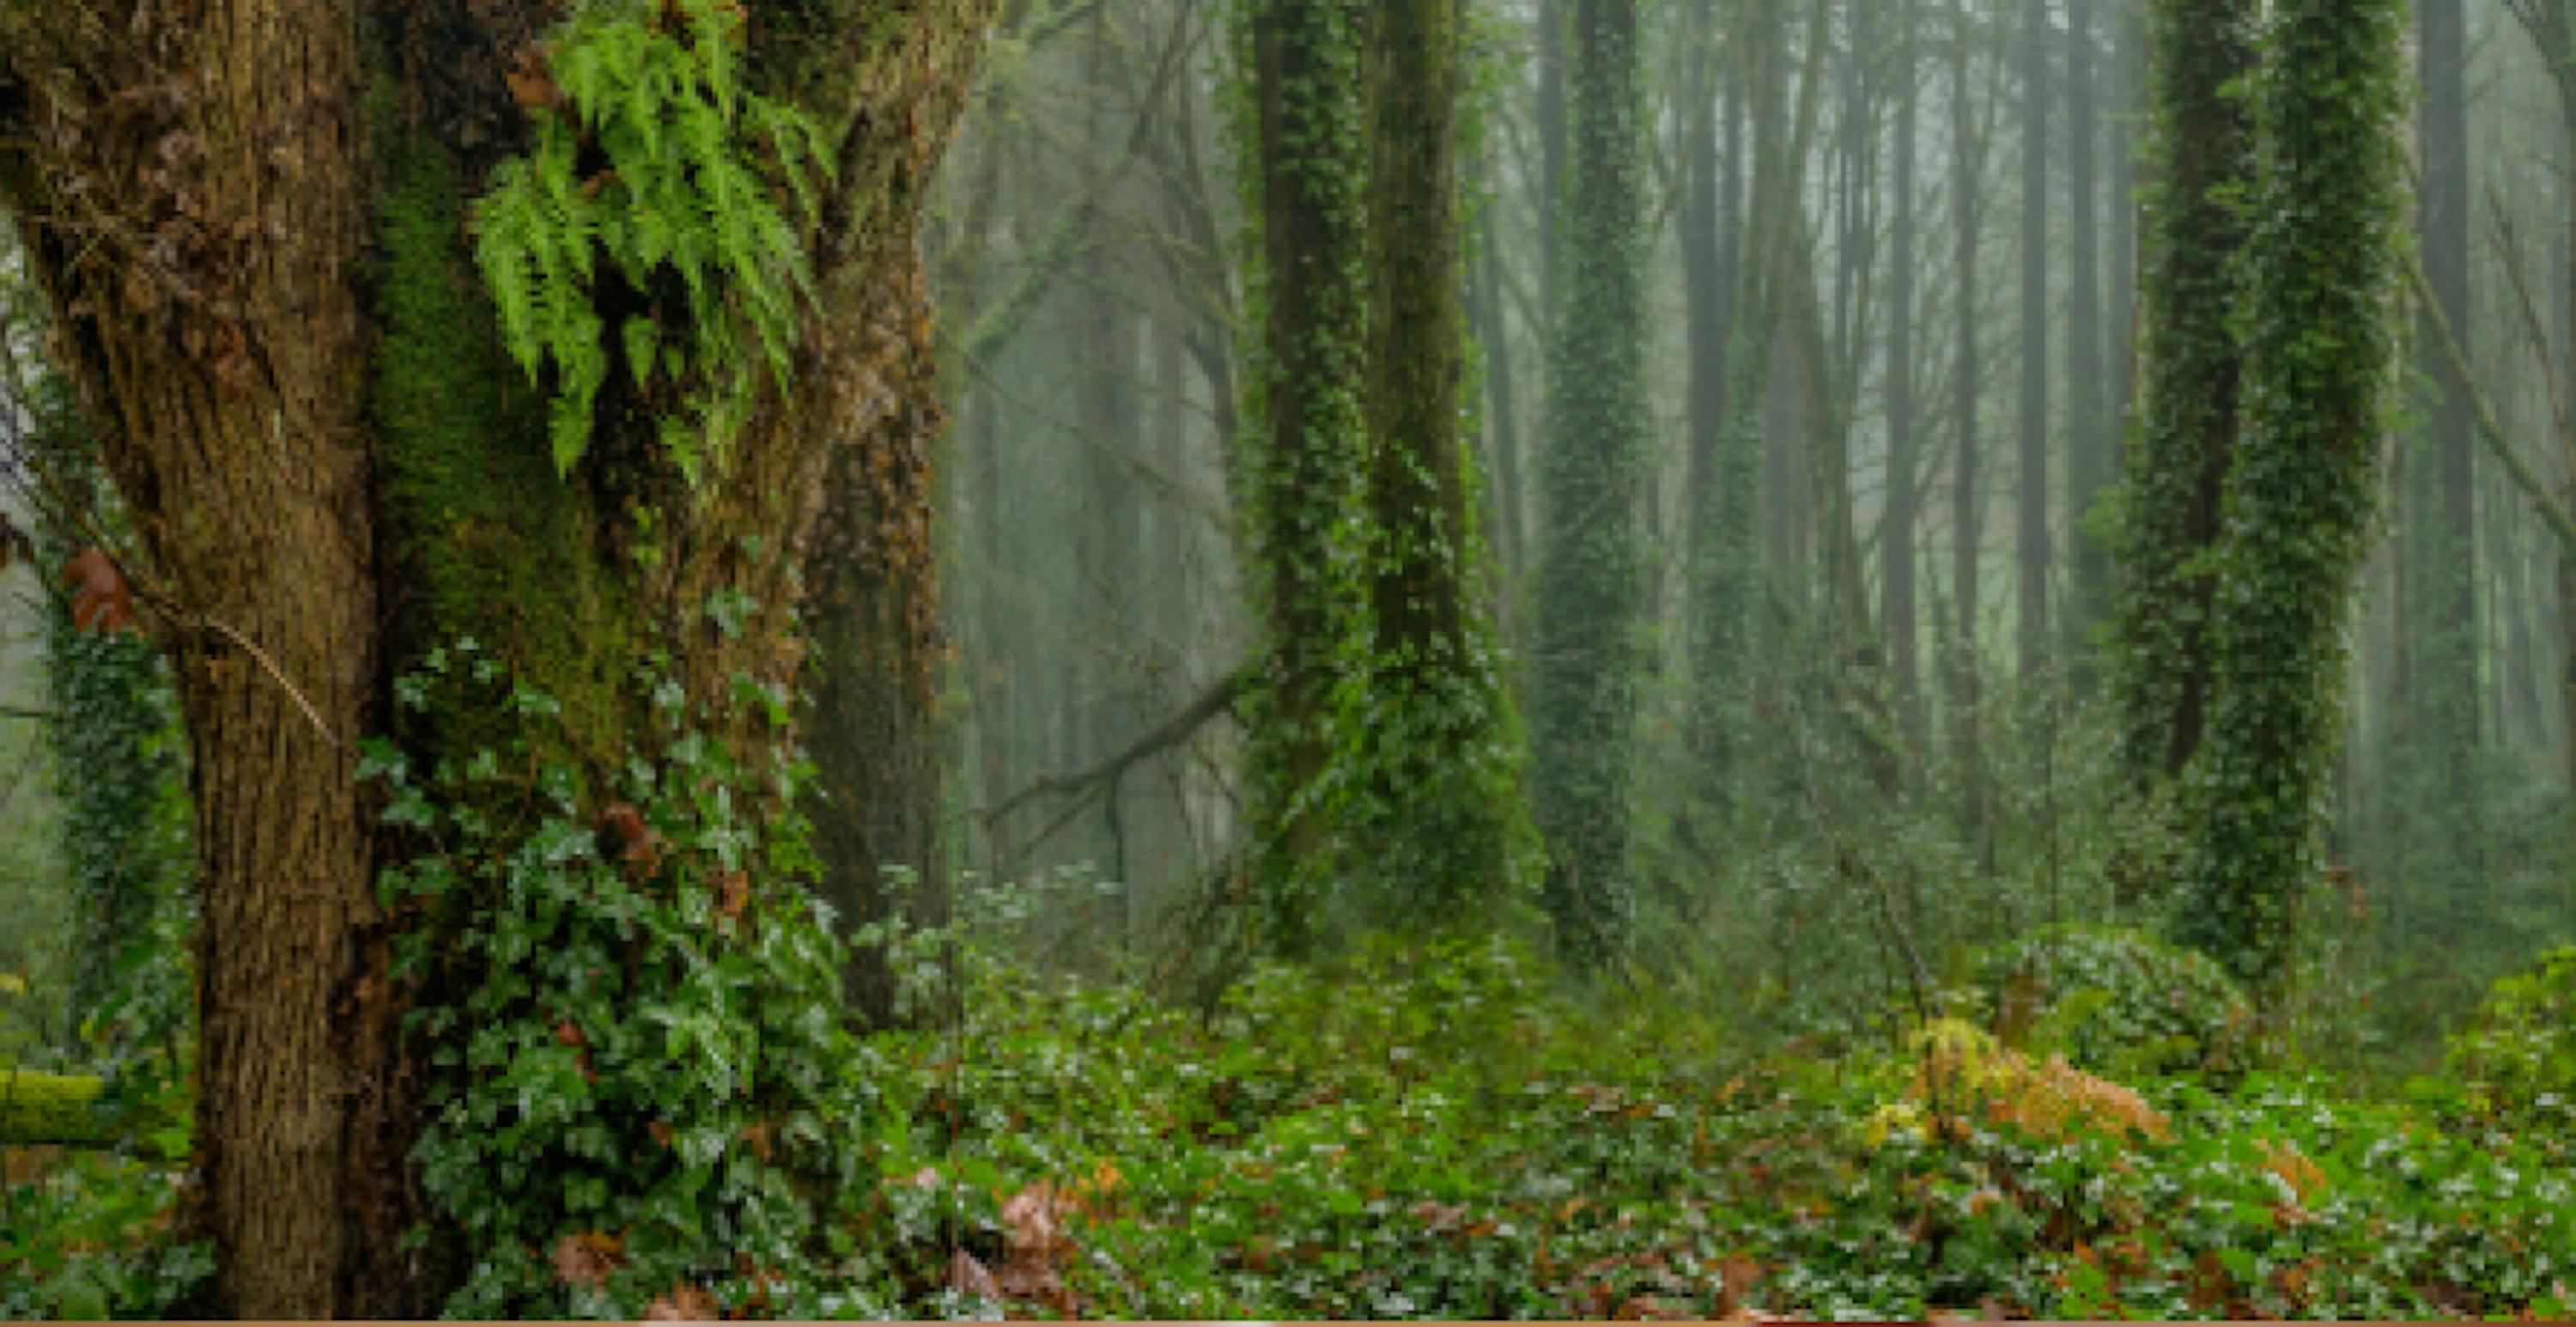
<point x="696" y="165"/>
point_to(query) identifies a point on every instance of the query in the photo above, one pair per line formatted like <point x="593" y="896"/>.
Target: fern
<point x="696" y="165"/>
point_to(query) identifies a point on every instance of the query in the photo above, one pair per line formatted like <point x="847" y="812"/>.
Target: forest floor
<point x="1442" y="1134"/>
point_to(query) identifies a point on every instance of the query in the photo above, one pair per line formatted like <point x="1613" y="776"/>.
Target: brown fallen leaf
<point x="684" y="1303"/>
<point x="967" y="1276"/>
<point x="586" y="1259"/>
<point x="101" y="600"/>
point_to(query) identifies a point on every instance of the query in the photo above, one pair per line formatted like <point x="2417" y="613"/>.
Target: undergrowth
<point x="1436" y="1130"/>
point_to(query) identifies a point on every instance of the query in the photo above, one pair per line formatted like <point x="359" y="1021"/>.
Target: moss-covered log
<point x="62" y="1109"/>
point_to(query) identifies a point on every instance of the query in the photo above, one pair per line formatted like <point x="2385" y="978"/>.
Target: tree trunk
<point x="1896" y="613"/>
<point x="2202" y="144"/>
<point x="2032" y="554"/>
<point x="2321" y="347"/>
<point x="2088" y="419"/>
<point x="1447" y="829"/>
<point x="1966" y="516"/>
<point x="2440" y="497"/>
<point x="286" y="545"/>
<point x="1313" y="167"/>
<point x="1592" y="589"/>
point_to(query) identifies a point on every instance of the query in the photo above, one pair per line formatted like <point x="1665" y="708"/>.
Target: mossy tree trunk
<point x="1586" y="634"/>
<point x="331" y="468"/>
<point x="1448" y="826"/>
<point x="2320" y="345"/>
<point x="2201" y="143"/>
<point x="1312" y="169"/>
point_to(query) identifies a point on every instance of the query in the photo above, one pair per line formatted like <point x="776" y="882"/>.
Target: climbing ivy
<point x="1441" y="822"/>
<point x="648" y="151"/>
<point x="2200" y="143"/>
<point x="119" y="763"/>
<point x="643" y="1095"/>
<point x="1586" y="636"/>
<point x="2321" y="339"/>
<point x="1301" y="134"/>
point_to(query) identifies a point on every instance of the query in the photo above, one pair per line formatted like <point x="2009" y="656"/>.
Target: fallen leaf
<point x="685" y="1303"/>
<point x="586" y="1259"/>
<point x="733" y="894"/>
<point x="101" y="599"/>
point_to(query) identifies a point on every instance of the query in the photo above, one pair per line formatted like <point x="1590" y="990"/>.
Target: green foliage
<point x="2201" y="142"/>
<point x="2320" y="335"/>
<point x="2115" y="1001"/>
<point x="633" y="1015"/>
<point x="468" y="485"/>
<point x="1587" y="640"/>
<point x="665" y="164"/>
<point x="1428" y="1132"/>
<point x="2517" y="1055"/>
<point x="66" y="1108"/>
<point x="1301" y="127"/>
<point x="119" y="759"/>
<point x="87" y="1233"/>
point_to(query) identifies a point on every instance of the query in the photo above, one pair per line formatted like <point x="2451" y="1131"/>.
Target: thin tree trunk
<point x="2031" y="547"/>
<point x="1897" y="621"/>
<point x="2088" y="418"/>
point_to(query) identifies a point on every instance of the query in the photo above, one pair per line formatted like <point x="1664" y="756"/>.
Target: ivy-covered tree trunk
<point x="251" y="229"/>
<point x="116" y="743"/>
<point x="2200" y="140"/>
<point x="2322" y="340"/>
<point x="1312" y="172"/>
<point x="1446" y="823"/>
<point x="1586" y="635"/>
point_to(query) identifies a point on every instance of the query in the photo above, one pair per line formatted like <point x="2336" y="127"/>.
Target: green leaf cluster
<point x="632" y="1006"/>
<point x="687" y="184"/>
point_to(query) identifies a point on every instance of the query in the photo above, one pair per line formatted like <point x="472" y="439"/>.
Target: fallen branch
<point x="1217" y="699"/>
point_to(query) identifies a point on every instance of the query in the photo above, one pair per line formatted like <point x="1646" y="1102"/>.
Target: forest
<point x="1288" y="659"/>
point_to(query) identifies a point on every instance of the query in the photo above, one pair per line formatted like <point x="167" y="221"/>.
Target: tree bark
<point x="196" y="205"/>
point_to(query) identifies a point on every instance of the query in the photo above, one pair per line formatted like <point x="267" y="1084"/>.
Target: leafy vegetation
<point x="647" y="150"/>
<point x="1404" y="1131"/>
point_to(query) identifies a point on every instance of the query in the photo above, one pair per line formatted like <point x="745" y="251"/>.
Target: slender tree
<point x="2032" y="552"/>
<point x="2200" y="144"/>
<point x="2322" y="338"/>
<point x="1897" y="621"/>
<point x="1312" y="172"/>
<point x="2088" y="420"/>
<point x="1586" y="633"/>
<point x="1445" y="824"/>
<point x="1966" y="515"/>
<point x="2439" y="497"/>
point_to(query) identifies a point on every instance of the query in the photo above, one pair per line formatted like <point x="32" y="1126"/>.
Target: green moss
<point x="486" y="536"/>
<point x="61" y="1109"/>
